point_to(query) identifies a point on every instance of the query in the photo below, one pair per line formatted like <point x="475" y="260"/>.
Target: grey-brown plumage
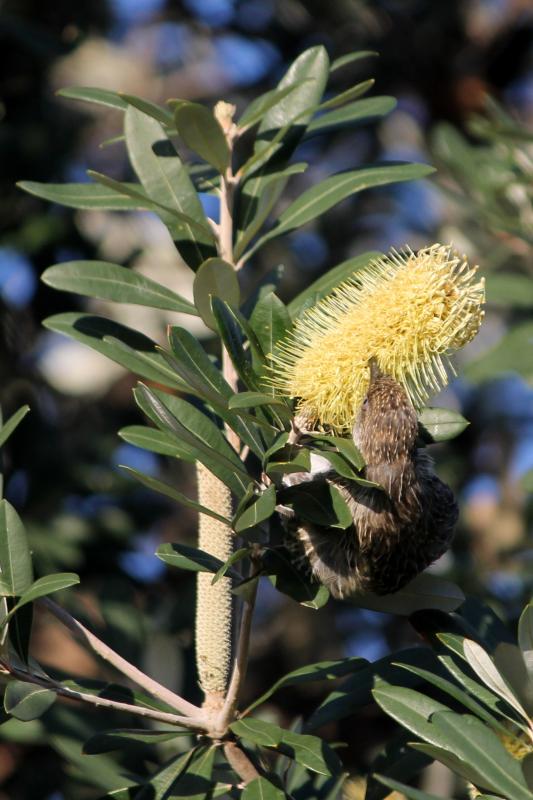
<point x="396" y="532"/>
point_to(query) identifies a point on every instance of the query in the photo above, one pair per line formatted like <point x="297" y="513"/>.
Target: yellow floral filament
<point x="408" y="310"/>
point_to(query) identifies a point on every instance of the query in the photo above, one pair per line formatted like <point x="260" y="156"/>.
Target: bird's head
<point x="386" y="426"/>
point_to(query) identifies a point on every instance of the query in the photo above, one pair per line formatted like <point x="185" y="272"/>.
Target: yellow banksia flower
<point x="407" y="310"/>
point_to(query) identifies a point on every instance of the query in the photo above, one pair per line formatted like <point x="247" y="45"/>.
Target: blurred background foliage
<point x="441" y="61"/>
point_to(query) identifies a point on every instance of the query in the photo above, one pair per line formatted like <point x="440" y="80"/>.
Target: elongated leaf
<point x="90" y="94"/>
<point x="253" y="400"/>
<point x="312" y="752"/>
<point x="16" y="573"/>
<point x="84" y="196"/>
<point x="486" y="670"/>
<point x="353" y="93"/>
<point x="135" y="191"/>
<point x="466" y="737"/>
<point x="215" y="278"/>
<point x="318" y="199"/>
<point x="189" y="558"/>
<point x="238" y="555"/>
<point x="196" y="781"/>
<point x="408" y="791"/>
<point x="346" y="447"/>
<point x="155" y="440"/>
<point x="174" y="494"/>
<point x="336" y="461"/>
<point x="310" y="71"/>
<point x="322" y="504"/>
<point x="397" y="761"/>
<point x="260" y="105"/>
<point x="290" y="581"/>
<point x="111" y="740"/>
<point x="256" y="200"/>
<point x="292" y="458"/>
<point x="166" y="180"/>
<point x="441" y="424"/>
<point x="201" y="132"/>
<point x="350" y="58"/>
<point x="7" y="428"/>
<point x="112" y="282"/>
<point x="525" y="638"/>
<point x="261" y="509"/>
<point x="25" y="701"/>
<point x="231" y="335"/>
<point x="206" y="441"/>
<point x="361" y="111"/>
<point x="261" y="789"/>
<point x="162" y="115"/>
<point x="326" y="283"/>
<point x="423" y="592"/>
<point x="258" y="731"/>
<point x="43" y="587"/>
<point x="270" y="321"/>
<point x="139" y="354"/>
<point x="450" y="760"/>
<point x="320" y="671"/>
<point x="159" y="786"/>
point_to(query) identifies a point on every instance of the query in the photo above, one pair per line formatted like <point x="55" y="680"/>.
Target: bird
<point x="400" y="527"/>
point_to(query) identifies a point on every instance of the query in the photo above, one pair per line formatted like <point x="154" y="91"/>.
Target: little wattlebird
<point x="399" y="529"/>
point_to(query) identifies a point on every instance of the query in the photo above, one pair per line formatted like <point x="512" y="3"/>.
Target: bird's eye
<point x="365" y="402"/>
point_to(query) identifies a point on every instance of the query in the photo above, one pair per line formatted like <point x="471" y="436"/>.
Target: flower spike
<point x="406" y="310"/>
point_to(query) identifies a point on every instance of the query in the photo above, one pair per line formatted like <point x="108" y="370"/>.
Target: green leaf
<point x="349" y="58"/>
<point x="25" y="701"/>
<point x="361" y="111"/>
<point x="321" y="503"/>
<point x="135" y="191"/>
<point x="398" y="761"/>
<point x="16" y="573"/>
<point x="257" y="198"/>
<point x="174" y="494"/>
<point x="43" y="587"/>
<point x="311" y="751"/>
<point x="261" y="509"/>
<point x="346" y="447"/>
<point x="166" y="180"/>
<point x="110" y="740"/>
<point x="441" y="424"/>
<point x="486" y="670"/>
<point x="8" y="427"/>
<point x="258" y="731"/>
<point x="320" y="671"/>
<point x="215" y="278"/>
<point x="189" y="558"/>
<point x="292" y="458"/>
<point x="261" y="789"/>
<point x="238" y="555"/>
<point x="195" y="782"/>
<point x="411" y="709"/>
<point x="310" y="71"/>
<point x="201" y="132"/>
<point x="160" y="785"/>
<point x="253" y="400"/>
<point x="151" y="109"/>
<point x="138" y="353"/>
<point x="326" y="283"/>
<point x="424" y="592"/>
<point x="84" y="195"/>
<point x="525" y="638"/>
<point x="337" y="463"/>
<point x="270" y="321"/>
<point x="198" y="433"/>
<point x="353" y="93"/>
<point x="509" y="289"/>
<point x="318" y="199"/>
<point x="260" y="105"/>
<point x="111" y="282"/>
<point x="408" y="791"/>
<point x="470" y="740"/>
<point x="155" y="440"/>
<point x="231" y="334"/>
<point x="89" y="94"/>
<point x="295" y="583"/>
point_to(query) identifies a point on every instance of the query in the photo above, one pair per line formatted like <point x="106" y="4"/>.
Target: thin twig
<point x="113" y="658"/>
<point x="240" y="664"/>
<point x="104" y="702"/>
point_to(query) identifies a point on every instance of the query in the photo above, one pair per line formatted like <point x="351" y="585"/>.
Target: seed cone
<point x="213" y="602"/>
<point x="407" y="310"/>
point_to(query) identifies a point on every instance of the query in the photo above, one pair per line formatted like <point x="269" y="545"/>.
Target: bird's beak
<point x="375" y="371"/>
